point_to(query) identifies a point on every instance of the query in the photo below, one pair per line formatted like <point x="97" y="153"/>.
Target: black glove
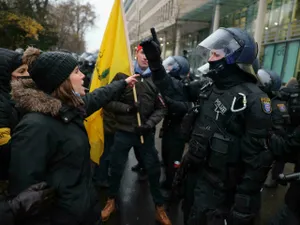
<point x="238" y="218"/>
<point x="193" y="161"/>
<point x="143" y="129"/>
<point x="152" y="51"/>
<point x="5" y="112"/>
<point x="32" y="201"/>
<point x="133" y="108"/>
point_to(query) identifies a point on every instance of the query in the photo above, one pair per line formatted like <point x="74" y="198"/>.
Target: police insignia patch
<point x="281" y="107"/>
<point x="266" y="105"/>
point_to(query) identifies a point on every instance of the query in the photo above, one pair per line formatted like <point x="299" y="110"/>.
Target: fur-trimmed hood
<point x="29" y="98"/>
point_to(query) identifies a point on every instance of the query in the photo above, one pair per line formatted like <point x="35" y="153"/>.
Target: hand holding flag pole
<point x="131" y="67"/>
<point x="154" y="36"/>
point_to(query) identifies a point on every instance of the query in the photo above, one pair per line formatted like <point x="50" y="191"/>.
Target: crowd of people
<point x="239" y="122"/>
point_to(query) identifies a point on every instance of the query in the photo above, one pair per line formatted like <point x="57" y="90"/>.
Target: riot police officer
<point x="228" y="141"/>
<point x="287" y="147"/>
<point x="173" y="142"/>
<point x="270" y="83"/>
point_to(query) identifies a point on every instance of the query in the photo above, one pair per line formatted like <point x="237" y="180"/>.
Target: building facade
<point x="182" y="24"/>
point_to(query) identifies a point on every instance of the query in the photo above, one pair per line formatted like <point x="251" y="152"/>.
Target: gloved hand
<point x="238" y="218"/>
<point x="243" y="210"/>
<point x="32" y="201"/>
<point x="5" y="112"/>
<point x="152" y="51"/>
<point x="193" y="161"/>
<point x="133" y="108"/>
<point x="143" y="129"/>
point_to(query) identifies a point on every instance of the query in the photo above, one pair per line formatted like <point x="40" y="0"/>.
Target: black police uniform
<point x="173" y="142"/>
<point x="229" y="147"/>
<point x="287" y="147"/>
<point x="280" y="125"/>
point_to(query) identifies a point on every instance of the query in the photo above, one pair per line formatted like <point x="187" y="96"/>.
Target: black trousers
<point x="124" y="141"/>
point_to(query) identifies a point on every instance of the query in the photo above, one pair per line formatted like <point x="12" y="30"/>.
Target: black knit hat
<point x="9" y="61"/>
<point x="51" y="69"/>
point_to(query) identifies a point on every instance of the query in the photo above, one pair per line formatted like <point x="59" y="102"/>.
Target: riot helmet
<point x="177" y="66"/>
<point x="268" y="81"/>
<point x="227" y="46"/>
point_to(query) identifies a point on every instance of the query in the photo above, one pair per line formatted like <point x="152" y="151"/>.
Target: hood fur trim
<point x="28" y="97"/>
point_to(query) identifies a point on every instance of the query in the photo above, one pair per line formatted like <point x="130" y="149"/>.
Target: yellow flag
<point x="114" y="56"/>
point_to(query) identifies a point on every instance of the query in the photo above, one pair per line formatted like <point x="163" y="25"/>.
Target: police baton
<point x="290" y="177"/>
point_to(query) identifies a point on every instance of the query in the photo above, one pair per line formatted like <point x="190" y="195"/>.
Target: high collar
<point x="30" y="99"/>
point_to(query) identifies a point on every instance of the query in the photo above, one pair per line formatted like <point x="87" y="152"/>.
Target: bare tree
<point x="72" y="19"/>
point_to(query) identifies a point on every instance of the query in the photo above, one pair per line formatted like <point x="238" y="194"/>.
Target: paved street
<point x="136" y="206"/>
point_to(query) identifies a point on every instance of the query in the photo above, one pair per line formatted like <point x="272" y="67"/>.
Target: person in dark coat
<point x="152" y="110"/>
<point x="270" y="83"/>
<point x="11" y="66"/>
<point x="286" y="147"/>
<point x="230" y="124"/>
<point x="173" y="142"/>
<point x="37" y="197"/>
<point x="50" y="143"/>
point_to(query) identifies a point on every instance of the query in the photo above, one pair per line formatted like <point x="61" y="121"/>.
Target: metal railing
<point x="284" y="32"/>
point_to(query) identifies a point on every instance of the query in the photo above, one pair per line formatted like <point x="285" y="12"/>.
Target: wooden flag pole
<point x="131" y="69"/>
<point x="138" y="113"/>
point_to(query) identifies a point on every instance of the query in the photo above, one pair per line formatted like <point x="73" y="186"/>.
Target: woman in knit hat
<point x="50" y="143"/>
<point x="13" y="67"/>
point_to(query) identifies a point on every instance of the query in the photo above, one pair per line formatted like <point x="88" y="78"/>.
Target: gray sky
<point x="94" y="35"/>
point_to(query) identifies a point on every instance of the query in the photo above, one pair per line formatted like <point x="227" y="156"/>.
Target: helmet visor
<point x="170" y="65"/>
<point x="264" y="78"/>
<point x="219" y="44"/>
<point x="203" y="69"/>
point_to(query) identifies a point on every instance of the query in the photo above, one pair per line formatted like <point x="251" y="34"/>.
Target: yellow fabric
<point x="4" y="135"/>
<point x="113" y="58"/>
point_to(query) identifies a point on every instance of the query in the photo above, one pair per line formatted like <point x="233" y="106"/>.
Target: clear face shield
<point x="268" y="81"/>
<point x="204" y="69"/>
<point x="222" y="44"/>
<point x="264" y="78"/>
<point x="170" y="65"/>
<point x="218" y="45"/>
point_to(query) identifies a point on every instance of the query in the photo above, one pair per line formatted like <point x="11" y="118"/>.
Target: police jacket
<point x="50" y="144"/>
<point x="287" y="147"/>
<point x="281" y="147"/>
<point x="229" y="129"/>
<point x="177" y="105"/>
<point x="281" y="120"/>
<point x="151" y="105"/>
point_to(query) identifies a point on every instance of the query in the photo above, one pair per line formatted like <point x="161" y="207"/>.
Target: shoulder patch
<point x="266" y="105"/>
<point x="282" y="107"/>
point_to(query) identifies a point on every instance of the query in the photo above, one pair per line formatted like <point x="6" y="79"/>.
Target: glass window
<point x="286" y="11"/>
<point x="296" y="10"/>
<point x="267" y="17"/>
<point x="275" y="13"/>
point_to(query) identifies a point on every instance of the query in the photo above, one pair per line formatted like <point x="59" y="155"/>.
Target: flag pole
<point x="131" y="69"/>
